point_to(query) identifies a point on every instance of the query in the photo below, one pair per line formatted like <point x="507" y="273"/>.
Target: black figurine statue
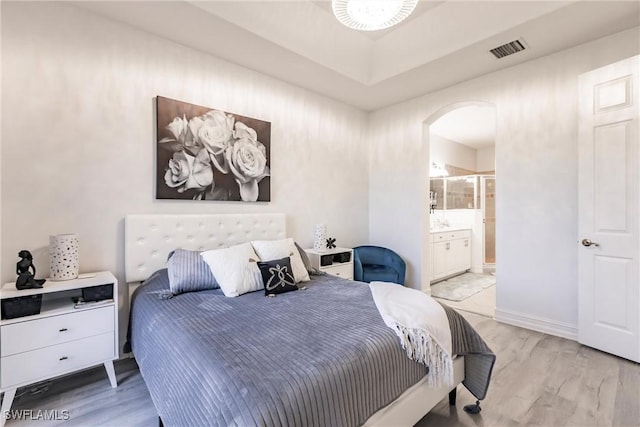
<point x="25" y="277"/>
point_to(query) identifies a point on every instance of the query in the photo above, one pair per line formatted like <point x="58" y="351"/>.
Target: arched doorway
<point x="459" y="250"/>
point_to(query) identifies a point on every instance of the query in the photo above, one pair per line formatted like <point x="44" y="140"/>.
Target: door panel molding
<point x="613" y="95"/>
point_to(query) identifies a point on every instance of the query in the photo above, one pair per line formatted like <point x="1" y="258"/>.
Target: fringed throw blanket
<point x="478" y="357"/>
<point x="422" y="326"/>
<point x="431" y="333"/>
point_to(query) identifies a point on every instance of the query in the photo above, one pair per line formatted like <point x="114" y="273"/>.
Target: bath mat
<point x="461" y="287"/>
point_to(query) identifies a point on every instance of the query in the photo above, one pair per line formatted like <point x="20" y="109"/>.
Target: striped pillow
<point x="188" y="272"/>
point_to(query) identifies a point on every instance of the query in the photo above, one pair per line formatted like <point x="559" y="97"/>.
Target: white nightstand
<point x="334" y="260"/>
<point x="61" y="339"/>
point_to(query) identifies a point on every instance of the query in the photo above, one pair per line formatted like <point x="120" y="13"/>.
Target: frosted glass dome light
<point x="372" y="15"/>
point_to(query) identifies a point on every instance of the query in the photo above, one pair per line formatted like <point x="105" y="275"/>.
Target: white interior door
<point x="609" y="203"/>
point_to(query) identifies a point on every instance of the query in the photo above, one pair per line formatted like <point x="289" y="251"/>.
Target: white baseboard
<point x="535" y="323"/>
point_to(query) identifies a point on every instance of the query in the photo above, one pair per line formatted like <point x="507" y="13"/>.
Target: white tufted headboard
<point x="148" y="239"/>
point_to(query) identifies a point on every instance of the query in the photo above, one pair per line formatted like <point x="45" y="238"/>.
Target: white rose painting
<point x="209" y="154"/>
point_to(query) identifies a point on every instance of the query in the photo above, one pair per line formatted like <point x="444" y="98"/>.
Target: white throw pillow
<point x="269" y="250"/>
<point x="235" y="269"/>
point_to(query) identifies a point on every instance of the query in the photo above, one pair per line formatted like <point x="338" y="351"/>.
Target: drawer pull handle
<point x="64" y="358"/>
<point x="63" y="330"/>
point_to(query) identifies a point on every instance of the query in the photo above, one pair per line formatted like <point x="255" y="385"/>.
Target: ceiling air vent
<point x="508" y="49"/>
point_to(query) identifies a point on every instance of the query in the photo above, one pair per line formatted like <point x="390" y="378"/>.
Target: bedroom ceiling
<point x="441" y="44"/>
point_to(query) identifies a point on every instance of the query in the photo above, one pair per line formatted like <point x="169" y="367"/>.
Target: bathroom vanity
<point x="450" y="252"/>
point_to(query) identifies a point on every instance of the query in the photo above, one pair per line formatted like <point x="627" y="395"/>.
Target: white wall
<point x="78" y="128"/>
<point x="536" y="162"/>
<point x="1" y="257"/>
<point x="486" y="159"/>
<point x="447" y="152"/>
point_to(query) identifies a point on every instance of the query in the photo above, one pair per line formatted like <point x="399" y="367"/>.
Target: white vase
<point x="63" y="257"/>
<point x="320" y="237"/>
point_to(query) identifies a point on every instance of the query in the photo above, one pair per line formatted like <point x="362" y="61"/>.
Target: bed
<point x="318" y="356"/>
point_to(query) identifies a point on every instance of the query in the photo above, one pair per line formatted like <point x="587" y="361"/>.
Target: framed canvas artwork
<point x="208" y="154"/>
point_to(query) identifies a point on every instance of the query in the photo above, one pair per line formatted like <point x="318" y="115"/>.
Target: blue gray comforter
<point x="315" y="357"/>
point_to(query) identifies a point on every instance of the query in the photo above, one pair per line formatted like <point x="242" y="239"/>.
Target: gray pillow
<point x="188" y="272"/>
<point x="307" y="263"/>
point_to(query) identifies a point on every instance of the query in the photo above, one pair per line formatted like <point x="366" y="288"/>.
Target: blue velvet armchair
<point x="371" y="263"/>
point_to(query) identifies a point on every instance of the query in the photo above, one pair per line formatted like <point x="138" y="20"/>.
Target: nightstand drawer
<point x="35" y="334"/>
<point x="55" y="360"/>
<point x="343" y="270"/>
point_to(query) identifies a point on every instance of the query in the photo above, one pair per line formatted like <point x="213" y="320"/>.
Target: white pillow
<point x="235" y="269"/>
<point x="269" y="250"/>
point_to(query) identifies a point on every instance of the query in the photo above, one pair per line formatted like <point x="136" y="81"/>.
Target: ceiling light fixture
<point x="372" y="15"/>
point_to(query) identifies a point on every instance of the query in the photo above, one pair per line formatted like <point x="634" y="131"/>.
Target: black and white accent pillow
<point x="277" y="276"/>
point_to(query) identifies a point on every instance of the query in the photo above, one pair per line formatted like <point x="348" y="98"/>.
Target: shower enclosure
<point x="489" y="218"/>
<point x="470" y="192"/>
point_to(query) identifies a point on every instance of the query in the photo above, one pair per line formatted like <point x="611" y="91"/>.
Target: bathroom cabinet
<point x="450" y="253"/>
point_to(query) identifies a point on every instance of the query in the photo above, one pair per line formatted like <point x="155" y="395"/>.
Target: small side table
<point x="336" y="261"/>
<point x="63" y="338"/>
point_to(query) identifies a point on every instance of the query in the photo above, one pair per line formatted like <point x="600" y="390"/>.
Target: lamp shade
<point x="372" y="15"/>
<point x="63" y="257"/>
<point x="320" y="237"/>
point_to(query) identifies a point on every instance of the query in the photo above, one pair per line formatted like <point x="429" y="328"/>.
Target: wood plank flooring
<point x="482" y="303"/>
<point x="539" y="380"/>
<point x="91" y="401"/>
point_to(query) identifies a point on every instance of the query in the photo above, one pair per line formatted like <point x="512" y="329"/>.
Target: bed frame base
<point x="452" y="402"/>
<point x="452" y="396"/>
<point x="417" y="401"/>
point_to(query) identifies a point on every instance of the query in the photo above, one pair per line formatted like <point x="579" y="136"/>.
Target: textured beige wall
<point x="486" y="159"/>
<point x="78" y="131"/>
<point x="448" y="152"/>
<point x="1" y="146"/>
<point x="537" y="172"/>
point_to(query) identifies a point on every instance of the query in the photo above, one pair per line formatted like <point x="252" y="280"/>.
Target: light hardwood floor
<point x="483" y="303"/>
<point x="542" y="380"/>
<point x="538" y="380"/>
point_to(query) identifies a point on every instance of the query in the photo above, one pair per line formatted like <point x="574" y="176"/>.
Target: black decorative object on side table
<point x="26" y="278"/>
<point x="331" y="243"/>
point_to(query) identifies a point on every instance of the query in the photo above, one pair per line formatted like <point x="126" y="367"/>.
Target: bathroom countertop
<point x="451" y="228"/>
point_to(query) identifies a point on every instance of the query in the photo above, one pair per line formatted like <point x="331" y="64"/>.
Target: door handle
<point x="587" y="243"/>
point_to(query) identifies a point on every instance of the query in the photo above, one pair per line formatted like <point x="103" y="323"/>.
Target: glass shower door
<point x="489" y="214"/>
